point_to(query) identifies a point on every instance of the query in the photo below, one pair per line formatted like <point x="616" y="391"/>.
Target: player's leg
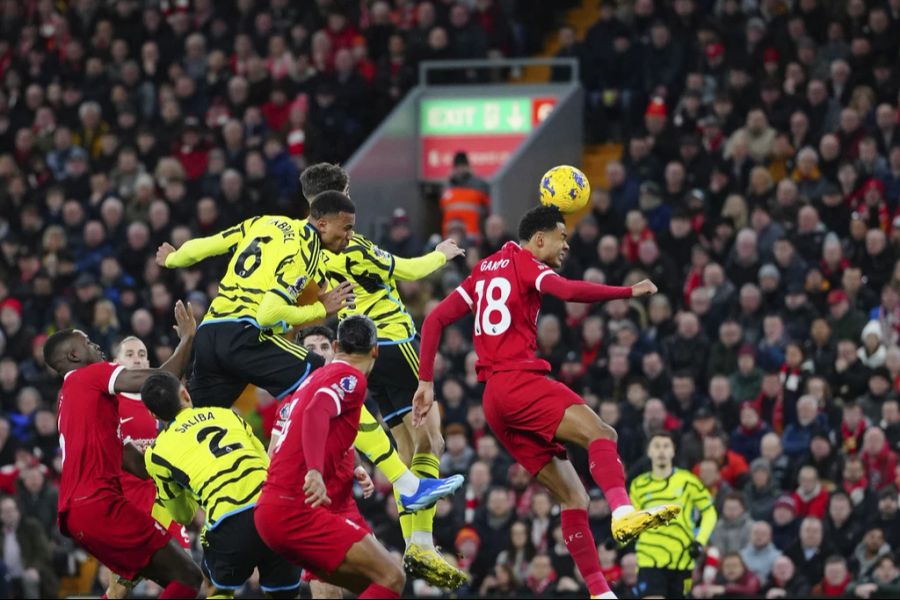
<point x="172" y="568"/>
<point x="210" y="383"/>
<point x="582" y="426"/>
<point x="560" y="478"/>
<point x="369" y="570"/>
<point x="323" y="590"/>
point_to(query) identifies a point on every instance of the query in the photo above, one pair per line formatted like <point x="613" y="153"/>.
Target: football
<point x="565" y="187"/>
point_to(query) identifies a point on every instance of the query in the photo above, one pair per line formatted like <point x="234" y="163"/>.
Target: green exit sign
<point x="475" y="115"/>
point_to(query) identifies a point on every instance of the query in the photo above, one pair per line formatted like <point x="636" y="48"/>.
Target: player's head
<point x="357" y="337"/>
<point x="333" y="215"/>
<point x="323" y="177"/>
<point x="661" y="449"/>
<point x="165" y="396"/>
<point x="318" y="339"/>
<point x="70" y="349"/>
<point x="132" y="353"/>
<point x="543" y="231"/>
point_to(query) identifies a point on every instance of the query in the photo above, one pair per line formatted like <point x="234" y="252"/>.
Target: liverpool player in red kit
<point x="139" y="427"/>
<point x="92" y="507"/>
<point x="528" y="412"/>
<point x="316" y="447"/>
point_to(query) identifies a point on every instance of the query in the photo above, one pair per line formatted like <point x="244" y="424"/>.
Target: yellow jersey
<point x="374" y="274"/>
<point x="208" y="456"/>
<point x="270" y="255"/>
<point x="668" y="547"/>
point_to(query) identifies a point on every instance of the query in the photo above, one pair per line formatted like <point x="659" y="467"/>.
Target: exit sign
<point x="489" y="129"/>
<point x="475" y="115"/>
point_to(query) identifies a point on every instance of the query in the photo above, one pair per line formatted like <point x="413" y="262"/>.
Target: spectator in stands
<point x="732" y="532"/>
<point x="26" y="553"/>
<point x="760" y="553"/>
<point x="466" y="197"/>
<point x="884" y="581"/>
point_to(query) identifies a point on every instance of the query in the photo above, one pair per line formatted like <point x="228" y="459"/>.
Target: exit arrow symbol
<point x="516" y="120"/>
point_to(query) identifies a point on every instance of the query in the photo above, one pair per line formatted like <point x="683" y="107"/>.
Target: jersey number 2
<point x="217" y="434"/>
<point x="252" y="251"/>
<point x="494" y="299"/>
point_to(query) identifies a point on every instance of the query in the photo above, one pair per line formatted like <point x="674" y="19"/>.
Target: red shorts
<point x="524" y="410"/>
<point x="350" y="513"/>
<point x="119" y="534"/>
<point x="316" y="539"/>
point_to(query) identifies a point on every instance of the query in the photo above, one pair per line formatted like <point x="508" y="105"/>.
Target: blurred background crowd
<point x="758" y="188"/>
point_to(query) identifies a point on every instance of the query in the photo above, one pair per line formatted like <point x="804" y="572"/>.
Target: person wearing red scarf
<point x="880" y="461"/>
<point x="811" y="497"/>
<point x="853" y="426"/>
<point x="837" y="578"/>
<point x="638" y="231"/>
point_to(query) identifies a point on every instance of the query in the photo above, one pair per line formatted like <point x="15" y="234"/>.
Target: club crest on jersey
<point x="348" y="383"/>
<point x="285" y="411"/>
<point x="301" y="282"/>
<point x="378" y="252"/>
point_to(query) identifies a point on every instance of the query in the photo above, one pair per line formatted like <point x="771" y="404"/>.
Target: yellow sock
<point x="217" y="593"/>
<point x="406" y="519"/>
<point x="373" y="441"/>
<point x="425" y="466"/>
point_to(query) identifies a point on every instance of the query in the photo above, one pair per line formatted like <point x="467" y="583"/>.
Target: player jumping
<point x="138" y="426"/>
<point x="93" y="511"/>
<point x="320" y="340"/>
<point x="321" y="528"/>
<point x="210" y="457"/>
<point x="239" y="341"/>
<point x="528" y="412"/>
<point x="374" y="274"/>
<point x="273" y="258"/>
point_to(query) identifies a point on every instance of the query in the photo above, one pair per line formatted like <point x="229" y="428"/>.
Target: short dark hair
<point x="322" y="177"/>
<point x="54" y="346"/>
<point x="160" y="395"/>
<point x="540" y="218"/>
<point x="325" y="332"/>
<point x="662" y="434"/>
<point x="331" y="203"/>
<point x="357" y="334"/>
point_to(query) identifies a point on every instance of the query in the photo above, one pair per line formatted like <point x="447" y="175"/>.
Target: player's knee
<point x="575" y="499"/>
<point x="435" y="442"/>
<point x="600" y="430"/>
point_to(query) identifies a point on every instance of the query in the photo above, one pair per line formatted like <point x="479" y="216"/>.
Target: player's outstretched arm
<point x="193" y="251"/>
<point x="412" y="269"/>
<point x="571" y="290"/>
<point x="449" y="310"/>
<point x="131" y="380"/>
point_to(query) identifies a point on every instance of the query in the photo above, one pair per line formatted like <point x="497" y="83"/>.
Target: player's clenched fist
<point x="643" y="288"/>
<point x="163" y="252"/>
<point x="364" y="480"/>
<point x="315" y="490"/>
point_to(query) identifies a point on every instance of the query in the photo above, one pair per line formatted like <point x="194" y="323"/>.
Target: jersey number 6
<point x="253" y="250"/>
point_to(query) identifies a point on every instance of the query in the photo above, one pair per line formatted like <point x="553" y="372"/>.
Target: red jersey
<point x="88" y="434"/>
<point x="138" y="426"/>
<point x="504" y="292"/>
<point x="339" y="389"/>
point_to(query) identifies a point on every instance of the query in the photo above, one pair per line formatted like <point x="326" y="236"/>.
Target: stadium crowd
<point x="758" y="189"/>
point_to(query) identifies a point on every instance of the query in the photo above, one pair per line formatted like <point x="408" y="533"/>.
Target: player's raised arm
<point x="449" y="310"/>
<point x="131" y="380"/>
<point x="193" y="251"/>
<point x="412" y="269"/>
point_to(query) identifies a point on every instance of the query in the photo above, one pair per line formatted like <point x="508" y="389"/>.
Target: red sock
<point x="176" y="589"/>
<point x="580" y="542"/>
<point x="608" y="472"/>
<point x="378" y="591"/>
